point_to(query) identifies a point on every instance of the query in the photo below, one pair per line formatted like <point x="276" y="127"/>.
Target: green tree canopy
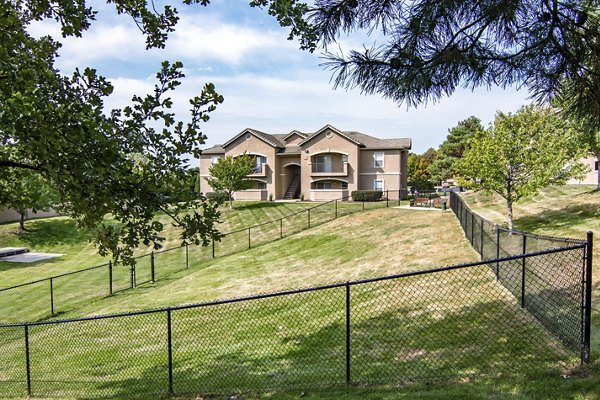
<point x="230" y="174"/>
<point x="125" y="163"/>
<point x="521" y="153"/>
<point x="23" y="189"/>
<point x="418" y="176"/>
<point x="444" y="166"/>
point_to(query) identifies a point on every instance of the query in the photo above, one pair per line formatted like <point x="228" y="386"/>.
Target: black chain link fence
<point x="444" y="323"/>
<point x="558" y="297"/>
<point x="512" y="314"/>
<point x="47" y="297"/>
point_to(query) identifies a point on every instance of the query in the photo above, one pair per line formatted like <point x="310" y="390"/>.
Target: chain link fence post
<point x="152" y="267"/>
<point x="27" y="360"/>
<point x="587" y="317"/>
<point x="348" y="378"/>
<point x="110" y="278"/>
<point x="187" y="256"/>
<point x="170" y="349"/>
<point x="51" y="297"/>
<point x="497" y="252"/>
<point x="523" y="271"/>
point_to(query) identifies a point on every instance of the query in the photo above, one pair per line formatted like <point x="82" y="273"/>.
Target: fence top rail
<point x="53" y="277"/>
<point x="518" y="232"/>
<point x="304" y="290"/>
<point x="321" y="204"/>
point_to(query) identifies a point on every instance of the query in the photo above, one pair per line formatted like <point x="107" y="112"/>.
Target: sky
<point x="267" y="82"/>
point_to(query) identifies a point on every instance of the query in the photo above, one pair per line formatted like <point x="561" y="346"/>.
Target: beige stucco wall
<point x="335" y="144"/>
<point x="252" y="194"/>
<point x="13" y="216"/>
<point x="205" y="163"/>
<point x="326" y="194"/>
<point x="295" y="139"/>
<point x="393" y="172"/>
<point x="591" y="178"/>
<point x="359" y="172"/>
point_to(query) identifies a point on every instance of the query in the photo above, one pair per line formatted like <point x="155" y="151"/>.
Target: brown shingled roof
<point x="278" y="140"/>
<point x="216" y="149"/>
<point x="370" y="142"/>
<point x="265" y="137"/>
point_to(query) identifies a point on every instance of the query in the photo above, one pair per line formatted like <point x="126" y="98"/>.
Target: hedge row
<point x="366" y="195"/>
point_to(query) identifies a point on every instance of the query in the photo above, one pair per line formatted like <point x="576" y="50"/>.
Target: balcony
<point x="259" y="171"/>
<point x="338" y="169"/>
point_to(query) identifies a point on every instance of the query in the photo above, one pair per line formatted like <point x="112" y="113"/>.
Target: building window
<point x="323" y="185"/>
<point x="260" y="160"/>
<point x="258" y="185"/>
<point x="344" y="158"/>
<point x="344" y="185"/>
<point x="214" y="159"/>
<point x="378" y="184"/>
<point x="378" y="159"/>
<point x="323" y="163"/>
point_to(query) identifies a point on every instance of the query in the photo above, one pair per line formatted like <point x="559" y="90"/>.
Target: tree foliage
<point x="23" y="189"/>
<point x="431" y="47"/>
<point x="521" y="153"/>
<point x="444" y="166"/>
<point x="129" y="162"/>
<point x="418" y="175"/>
<point x="230" y="174"/>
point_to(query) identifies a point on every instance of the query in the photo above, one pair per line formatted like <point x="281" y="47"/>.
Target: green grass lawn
<point x="455" y="336"/>
<point x="60" y="235"/>
<point x="34" y="302"/>
<point x="409" y="330"/>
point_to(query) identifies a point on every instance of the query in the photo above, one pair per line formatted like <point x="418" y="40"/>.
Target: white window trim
<point x="375" y="154"/>
<point x="382" y="184"/>
<point x="214" y="159"/>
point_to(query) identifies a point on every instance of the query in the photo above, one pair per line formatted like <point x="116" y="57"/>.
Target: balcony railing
<point x="336" y="170"/>
<point x="259" y="171"/>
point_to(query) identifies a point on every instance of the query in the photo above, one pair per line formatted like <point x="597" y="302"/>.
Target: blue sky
<point x="268" y="83"/>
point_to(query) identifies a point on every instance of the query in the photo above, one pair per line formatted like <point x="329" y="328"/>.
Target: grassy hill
<point x="60" y="235"/>
<point x="358" y="246"/>
<point x="361" y="245"/>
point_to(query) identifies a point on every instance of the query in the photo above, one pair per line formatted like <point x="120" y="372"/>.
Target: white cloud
<point x="201" y="37"/>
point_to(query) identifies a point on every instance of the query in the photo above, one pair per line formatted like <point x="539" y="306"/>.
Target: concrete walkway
<point x="22" y="255"/>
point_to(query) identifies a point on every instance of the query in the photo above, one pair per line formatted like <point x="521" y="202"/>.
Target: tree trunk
<point x="598" y="162"/>
<point x="231" y="200"/>
<point x="22" y="220"/>
<point x="509" y="215"/>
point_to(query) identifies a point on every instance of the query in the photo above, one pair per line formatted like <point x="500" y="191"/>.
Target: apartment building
<point x="323" y="165"/>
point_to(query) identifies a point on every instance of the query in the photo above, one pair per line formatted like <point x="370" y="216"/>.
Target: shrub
<point x="366" y="195"/>
<point x="217" y="197"/>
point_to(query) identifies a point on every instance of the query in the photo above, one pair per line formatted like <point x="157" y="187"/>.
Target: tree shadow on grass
<point x="53" y="232"/>
<point x="565" y="217"/>
<point x="488" y="339"/>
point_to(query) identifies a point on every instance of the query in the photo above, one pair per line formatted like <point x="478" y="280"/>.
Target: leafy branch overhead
<point x="127" y="164"/>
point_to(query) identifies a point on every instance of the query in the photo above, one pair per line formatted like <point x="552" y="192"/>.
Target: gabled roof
<point x="295" y="132"/>
<point x="216" y="149"/>
<point x="336" y="130"/>
<point x="272" y="140"/>
<point x="364" y="141"/>
<point x="370" y="142"/>
<point x="290" y="149"/>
